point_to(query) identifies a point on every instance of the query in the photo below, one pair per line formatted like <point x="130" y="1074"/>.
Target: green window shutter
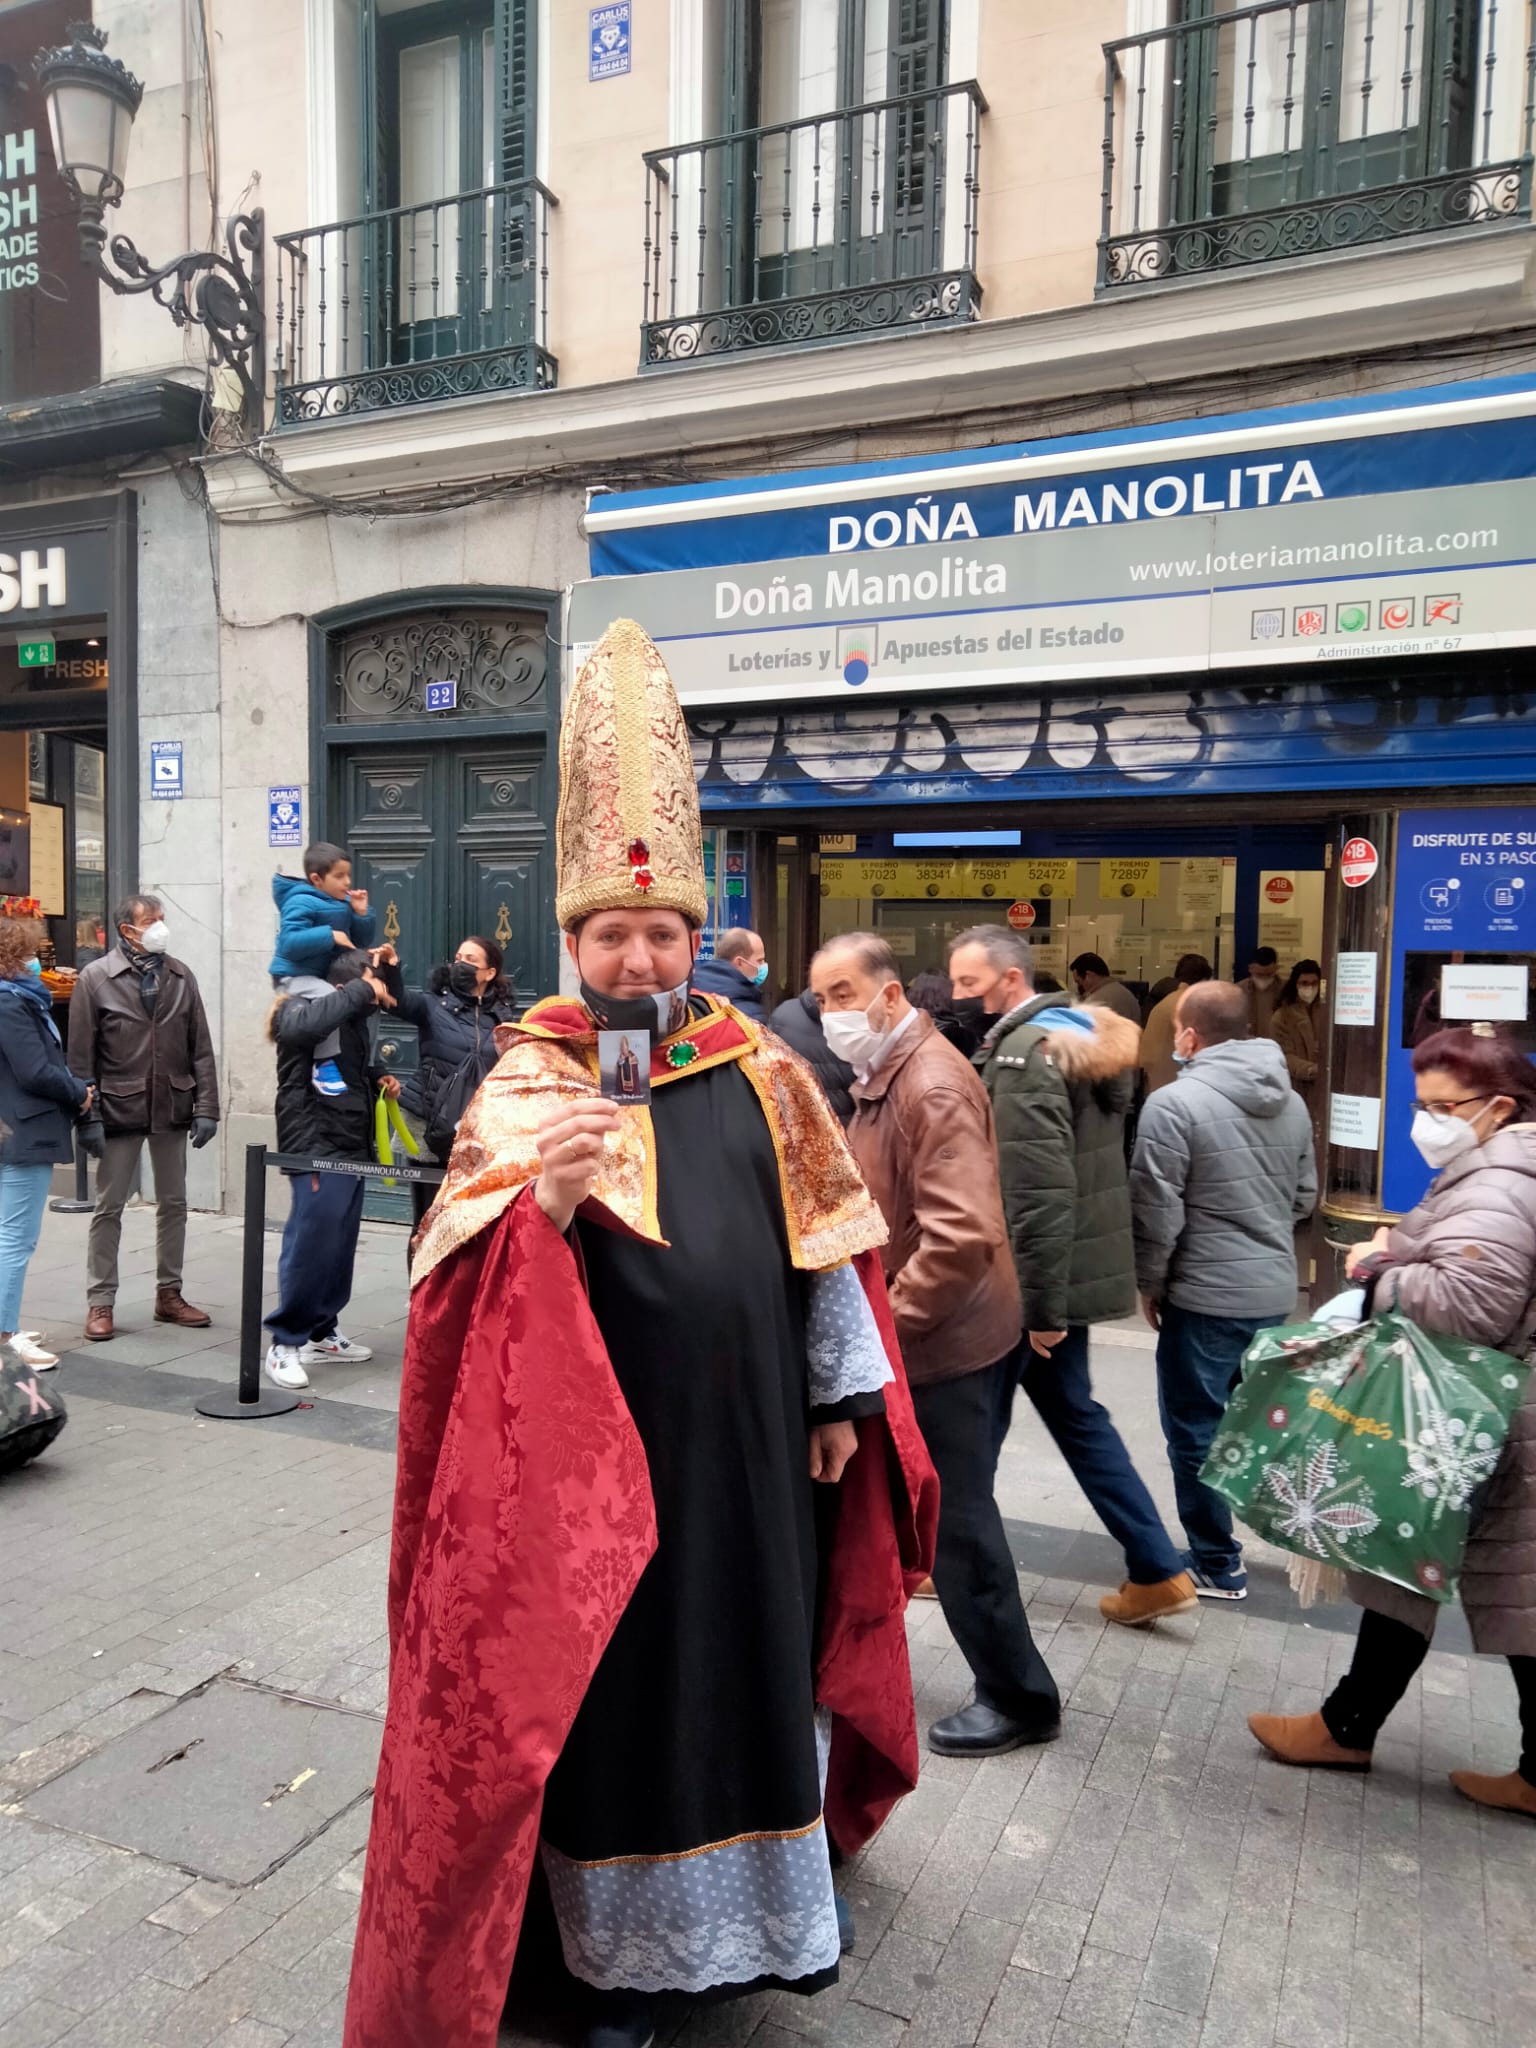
<point x="517" y="97"/>
<point x="918" y="45"/>
<point x="377" y="140"/>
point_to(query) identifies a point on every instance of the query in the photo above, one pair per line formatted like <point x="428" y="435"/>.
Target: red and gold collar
<point x="703" y="1042"/>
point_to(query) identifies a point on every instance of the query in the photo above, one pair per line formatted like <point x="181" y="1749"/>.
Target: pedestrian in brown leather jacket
<point x="1462" y="1263"/>
<point x="922" y="1134"/>
<point x="138" y="1032"/>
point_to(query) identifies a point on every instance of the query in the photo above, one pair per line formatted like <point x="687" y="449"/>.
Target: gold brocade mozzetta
<point x="829" y="1213"/>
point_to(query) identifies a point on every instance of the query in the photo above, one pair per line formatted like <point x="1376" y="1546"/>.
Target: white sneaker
<point x="26" y="1347"/>
<point x="285" y="1366"/>
<point x="336" y="1349"/>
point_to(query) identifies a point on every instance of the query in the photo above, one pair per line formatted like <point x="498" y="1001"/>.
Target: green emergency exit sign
<point x="38" y="654"/>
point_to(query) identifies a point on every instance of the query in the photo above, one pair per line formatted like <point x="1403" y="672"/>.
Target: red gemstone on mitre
<point x="639" y="853"/>
<point x="642" y="877"/>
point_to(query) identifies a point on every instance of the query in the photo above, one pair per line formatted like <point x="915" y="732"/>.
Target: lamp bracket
<point x="223" y="294"/>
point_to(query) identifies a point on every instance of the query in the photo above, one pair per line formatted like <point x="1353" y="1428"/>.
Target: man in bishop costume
<point x="661" y="1499"/>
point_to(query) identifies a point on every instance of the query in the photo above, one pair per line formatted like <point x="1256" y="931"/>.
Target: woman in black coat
<point x="40" y="1101"/>
<point x="456" y="1018"/>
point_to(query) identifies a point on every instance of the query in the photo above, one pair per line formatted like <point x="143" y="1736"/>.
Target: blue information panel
<point x="610" y="48"/>
<point x="1464" y="900"/>
<point x="285" y="816"/>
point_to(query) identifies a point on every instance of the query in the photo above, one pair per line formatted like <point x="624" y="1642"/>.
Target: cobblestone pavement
<point x="1146" y="1882"/>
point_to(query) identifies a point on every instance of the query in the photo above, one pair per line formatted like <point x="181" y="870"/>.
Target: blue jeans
<point x="23" y="1198"/>
<point x="314" y="1269"/>
<point x="1084" y="1433"/>
<point x="1199" y="1361"/>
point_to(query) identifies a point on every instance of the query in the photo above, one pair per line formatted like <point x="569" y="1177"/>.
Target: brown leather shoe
<point x="1509" y="1794"/>
<point x="926" y="1591"/>
<point x="170" y="1308"/>
<point x="98" y="1325"/>
<point x="1304" y="1739"/>
<point x="1139" y="1606"/>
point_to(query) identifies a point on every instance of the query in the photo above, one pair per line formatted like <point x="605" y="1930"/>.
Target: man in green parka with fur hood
<point x="1062" y="1081"/>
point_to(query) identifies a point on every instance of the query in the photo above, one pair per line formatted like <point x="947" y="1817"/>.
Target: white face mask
<point x="156" y="936"/>
<point x="1262" y="977"/>
<point x="1442" y="1139"/>
<point x="1307" y="994"/>
<point x="852" y="1037"/>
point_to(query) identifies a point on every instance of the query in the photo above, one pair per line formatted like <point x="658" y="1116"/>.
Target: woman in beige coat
<point x="1296" y="1028"/>
<point x="1464" y="1264"/>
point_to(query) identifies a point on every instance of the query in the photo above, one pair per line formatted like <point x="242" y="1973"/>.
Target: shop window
<point x="1444" y="990"/>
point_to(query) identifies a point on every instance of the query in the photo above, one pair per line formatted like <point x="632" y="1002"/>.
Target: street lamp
<point x="91" y="100"/>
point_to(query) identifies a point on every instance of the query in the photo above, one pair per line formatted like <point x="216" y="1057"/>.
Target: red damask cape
<point x="523" y="1520"/>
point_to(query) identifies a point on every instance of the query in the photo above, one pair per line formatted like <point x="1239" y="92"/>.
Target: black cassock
<point x="682" y="1828"/>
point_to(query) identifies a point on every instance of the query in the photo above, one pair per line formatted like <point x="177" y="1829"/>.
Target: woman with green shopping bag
<point x="1462" y="1264"/>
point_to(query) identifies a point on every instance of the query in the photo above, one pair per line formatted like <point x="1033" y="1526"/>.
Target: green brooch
<point x="683" y="1054"/>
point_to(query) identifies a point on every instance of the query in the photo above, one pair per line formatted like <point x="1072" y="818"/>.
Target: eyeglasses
<point x="1441" y="1111"/>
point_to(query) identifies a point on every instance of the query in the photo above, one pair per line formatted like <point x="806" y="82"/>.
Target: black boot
<point x="980" y="1730"/>
<point x="621" y="2019"/>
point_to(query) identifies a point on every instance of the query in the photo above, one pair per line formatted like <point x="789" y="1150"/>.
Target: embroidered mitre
<point x="628" y="829"/>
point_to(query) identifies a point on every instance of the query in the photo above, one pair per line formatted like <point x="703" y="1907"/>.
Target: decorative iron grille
<point x="416" y="304"/>
<point x="861" y="221"/>
<point x="497" y="660"/>
<point x="1295" y="127"/>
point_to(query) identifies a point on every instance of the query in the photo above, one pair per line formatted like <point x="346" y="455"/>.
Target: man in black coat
<point x="325" y="1095"/>
<point x="738" y="972"/>
<point x="798" y="1023"/>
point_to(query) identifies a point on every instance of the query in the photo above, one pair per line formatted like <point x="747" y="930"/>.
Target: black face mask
<point x="973" y="1013"/>
<point x="661" y="1014"/>
<point x="463" y="978"/>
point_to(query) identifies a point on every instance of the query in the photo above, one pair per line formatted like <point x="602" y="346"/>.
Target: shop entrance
<point x="1139" y="898"/>
<point x="53" y="799"/>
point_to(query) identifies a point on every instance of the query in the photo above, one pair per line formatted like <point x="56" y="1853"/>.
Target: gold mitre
<point x="628" y="829"/>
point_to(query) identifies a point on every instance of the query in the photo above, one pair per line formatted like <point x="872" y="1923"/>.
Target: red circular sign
<point x="1279" y="889"/>
<point x="1358" y="863"/>
<point x="1021" y="916"/>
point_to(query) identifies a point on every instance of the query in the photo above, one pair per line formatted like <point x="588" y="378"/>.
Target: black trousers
<point x="973" y="1572"/>
<point x="1387" y="1654"/>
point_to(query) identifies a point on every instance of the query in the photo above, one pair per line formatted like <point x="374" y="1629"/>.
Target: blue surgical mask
<point x="760" y="974"/>
<point x="33" y="967"/>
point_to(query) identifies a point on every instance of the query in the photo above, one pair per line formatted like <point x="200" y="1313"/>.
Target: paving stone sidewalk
<point x="1149" y="1881"/>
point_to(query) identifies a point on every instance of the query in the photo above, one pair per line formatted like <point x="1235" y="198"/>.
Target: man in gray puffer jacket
<point x="1224" y="1170"/>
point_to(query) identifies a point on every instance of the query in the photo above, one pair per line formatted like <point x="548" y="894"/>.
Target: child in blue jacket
<point x="317" y="916"/>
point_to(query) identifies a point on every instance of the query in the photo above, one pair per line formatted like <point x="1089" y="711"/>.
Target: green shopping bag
<point x="1363" y="1447"/>
<point x="389" y="1124"/>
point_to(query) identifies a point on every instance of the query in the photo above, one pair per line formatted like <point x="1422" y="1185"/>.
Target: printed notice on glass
<point x="1354" y="1122"/>
<point x="1354" y="992"/>
<point x="1492" y="994"/>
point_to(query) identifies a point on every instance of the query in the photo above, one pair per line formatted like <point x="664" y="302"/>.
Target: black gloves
<point x="203" y="1129"/>
<point x="93" y="1137"/>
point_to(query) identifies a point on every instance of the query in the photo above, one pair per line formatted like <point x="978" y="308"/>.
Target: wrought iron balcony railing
<point x="417" y="304"/>
<point x="857" y="222"/>
<point x="1295" y="127"/>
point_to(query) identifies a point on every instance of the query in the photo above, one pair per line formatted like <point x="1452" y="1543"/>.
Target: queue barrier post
<point x="253" y="1400"/>
<point x="79" y="1203"/>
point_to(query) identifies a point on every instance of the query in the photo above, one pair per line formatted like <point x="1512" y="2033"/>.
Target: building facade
<point x="843" y="342"/>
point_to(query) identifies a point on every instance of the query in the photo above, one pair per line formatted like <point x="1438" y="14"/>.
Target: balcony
<point x="1302" y="127"/>
<point x="857" y="222"/>
<point x="422" y="303"/>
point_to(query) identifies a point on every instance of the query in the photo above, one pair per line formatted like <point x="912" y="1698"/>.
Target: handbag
<point x="32" y="1411"/>
<point x="1363" y="1448"/>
